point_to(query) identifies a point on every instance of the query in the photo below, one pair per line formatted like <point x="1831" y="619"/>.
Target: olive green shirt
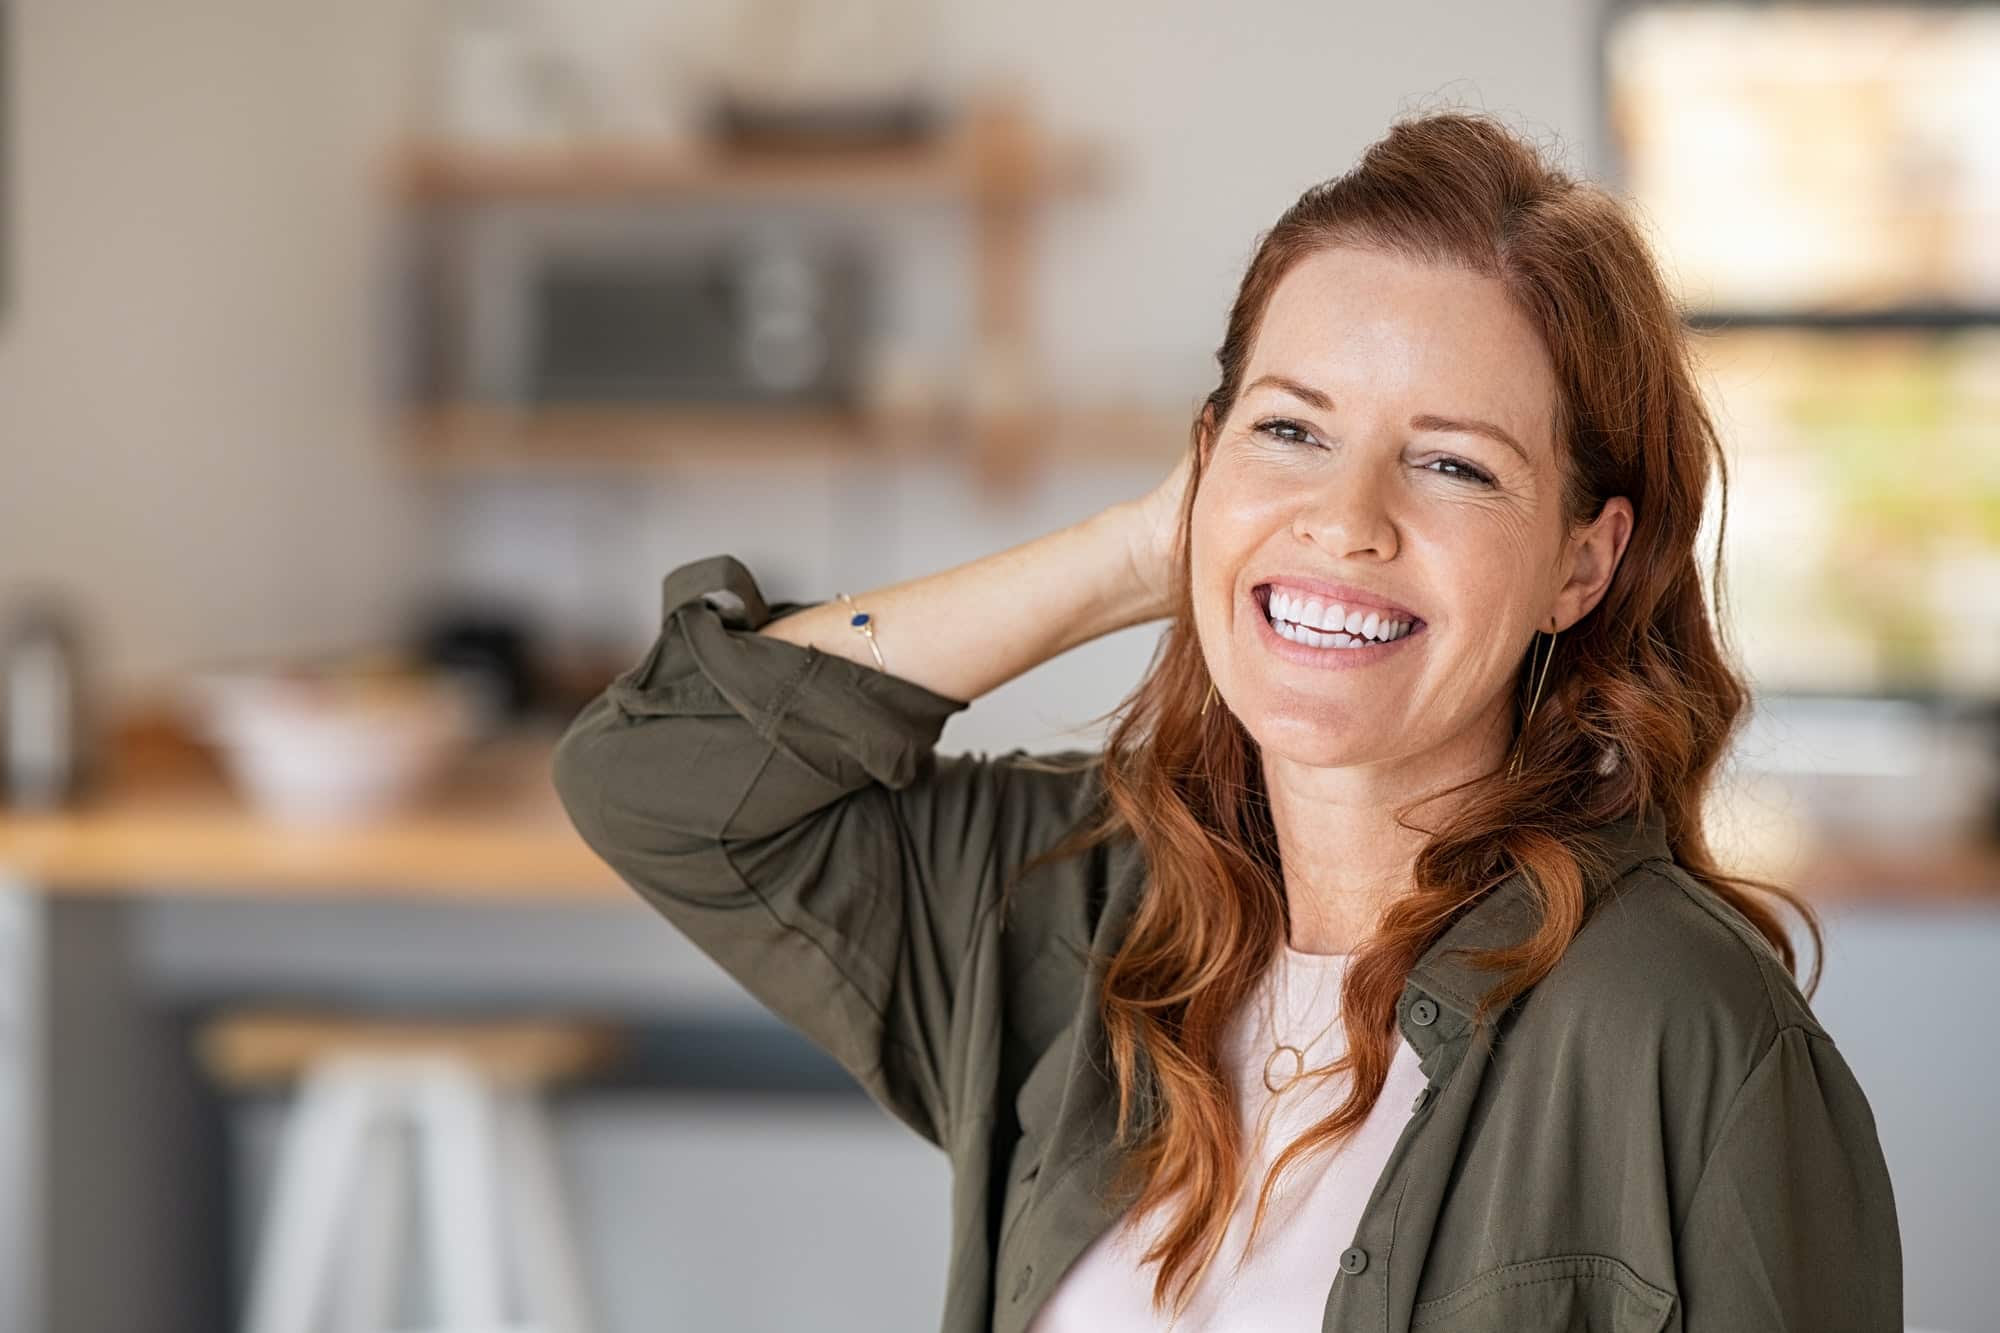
<point x="1659" y="1136"/>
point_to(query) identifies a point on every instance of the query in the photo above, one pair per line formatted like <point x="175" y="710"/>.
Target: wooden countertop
<point x="164" y="819"/>
<point x="1838" y="875"/>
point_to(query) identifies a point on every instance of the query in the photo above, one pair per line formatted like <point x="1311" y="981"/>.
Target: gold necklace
<point x="1263" y="1124"/>
<point x="1278" y="1048"/>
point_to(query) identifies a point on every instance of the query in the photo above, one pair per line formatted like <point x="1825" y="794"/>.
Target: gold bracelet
<point x="864" y="625"/>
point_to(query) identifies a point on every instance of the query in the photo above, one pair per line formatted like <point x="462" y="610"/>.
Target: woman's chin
<point x="1315" y="740"/>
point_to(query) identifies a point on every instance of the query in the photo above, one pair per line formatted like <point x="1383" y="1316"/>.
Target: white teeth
<point x="1313" y="638"/>
<point x="1311" y="612"/>
<point x="1329" y="624"/>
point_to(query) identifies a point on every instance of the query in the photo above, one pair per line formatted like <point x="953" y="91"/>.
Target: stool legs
<point x="366" y="1293"/>
<point x="334" y="1222"/>
<point x="318" y="1158"/>
<point x="460" y="1162"/>
<point x="549" y="1274"/>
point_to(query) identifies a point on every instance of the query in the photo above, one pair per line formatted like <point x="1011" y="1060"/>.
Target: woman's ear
<point x="1594" y="555"/>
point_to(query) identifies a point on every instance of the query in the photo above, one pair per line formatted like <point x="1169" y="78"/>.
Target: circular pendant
<point x="1298" y="1066"/>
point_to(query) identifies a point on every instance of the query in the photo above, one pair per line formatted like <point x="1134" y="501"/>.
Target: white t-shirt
<point x="1313" y="1211"/>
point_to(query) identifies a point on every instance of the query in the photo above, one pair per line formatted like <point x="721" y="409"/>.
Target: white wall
<point x="188" y="432"/>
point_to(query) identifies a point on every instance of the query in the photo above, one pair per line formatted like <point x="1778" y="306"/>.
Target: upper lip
<point x="1349" y="596"/>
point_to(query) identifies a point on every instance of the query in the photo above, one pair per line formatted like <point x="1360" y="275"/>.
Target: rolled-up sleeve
<point x="785" y="809"/>
<point x="1793" y="1225"/>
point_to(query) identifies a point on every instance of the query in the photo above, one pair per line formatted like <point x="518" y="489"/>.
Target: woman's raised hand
<point x="1153" y="523"/>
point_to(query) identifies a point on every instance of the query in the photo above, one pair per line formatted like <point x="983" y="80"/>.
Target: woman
<point x="1376" y="974"/>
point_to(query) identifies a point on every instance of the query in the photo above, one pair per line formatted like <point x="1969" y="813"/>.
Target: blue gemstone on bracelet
<point x="861" y="619"/>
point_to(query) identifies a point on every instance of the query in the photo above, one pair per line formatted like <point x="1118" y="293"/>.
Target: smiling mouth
<point x="1319" y="623"/>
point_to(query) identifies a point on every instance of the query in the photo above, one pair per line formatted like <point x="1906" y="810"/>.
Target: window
<point x="1823" y="185"/>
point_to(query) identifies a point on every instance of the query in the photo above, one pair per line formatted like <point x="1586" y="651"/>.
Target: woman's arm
<point x="776" y="796"/>
<point x="1793" y="1225"/>
<point x="966" y="630"/>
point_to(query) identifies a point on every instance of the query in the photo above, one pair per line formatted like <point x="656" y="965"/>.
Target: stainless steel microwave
<point x="766" y="317"/>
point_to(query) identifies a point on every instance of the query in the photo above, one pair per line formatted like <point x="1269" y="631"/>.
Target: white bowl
<point x="309" y="749"/>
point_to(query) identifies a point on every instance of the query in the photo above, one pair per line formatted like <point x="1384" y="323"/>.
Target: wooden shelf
<point x="1845" y="872"/>
<point x="472" y="439"/>
<point x="963" y="166"/>
<point x="993" y="158"/>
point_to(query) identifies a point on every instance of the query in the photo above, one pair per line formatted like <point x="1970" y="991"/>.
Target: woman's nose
<point x="1349" y="514"/>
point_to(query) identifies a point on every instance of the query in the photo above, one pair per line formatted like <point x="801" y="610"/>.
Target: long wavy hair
<point x="1637" y="705"/>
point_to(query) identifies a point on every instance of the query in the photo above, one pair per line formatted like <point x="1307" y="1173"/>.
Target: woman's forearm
<point x="966" y="630"/>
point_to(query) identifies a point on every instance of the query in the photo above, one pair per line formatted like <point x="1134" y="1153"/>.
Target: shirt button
<point x="1424" y="1012"/>
<point x="1021" y="1282"/>
<point x="1354" y="1261"/>
<point x="1423" y="1095"/>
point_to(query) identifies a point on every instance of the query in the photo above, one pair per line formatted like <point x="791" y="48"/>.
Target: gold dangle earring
<point x="1514" y="765"/>
<point x="1209" y="698"/>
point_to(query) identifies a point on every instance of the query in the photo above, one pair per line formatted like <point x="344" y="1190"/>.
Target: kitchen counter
<point x="165" y="819"/>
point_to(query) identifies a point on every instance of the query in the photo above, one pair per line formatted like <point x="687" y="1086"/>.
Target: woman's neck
<point x="1344" y="855"/>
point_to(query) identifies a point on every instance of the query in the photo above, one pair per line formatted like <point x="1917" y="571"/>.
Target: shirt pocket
<point x="1567" y="1293"/>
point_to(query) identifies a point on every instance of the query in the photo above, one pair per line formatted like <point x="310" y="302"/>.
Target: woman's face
<point x="1354" y="456"/>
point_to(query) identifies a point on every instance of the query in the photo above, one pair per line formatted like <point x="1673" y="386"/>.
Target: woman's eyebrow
<point x="1304" y="392"/>
<point x="1466" y="426"/>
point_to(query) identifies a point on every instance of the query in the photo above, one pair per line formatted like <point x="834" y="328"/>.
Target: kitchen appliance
<point x="696" y="311"/>
<point x="491" y="650"/>
<point x="43" y="744"/>
<point x="769" y="319"/>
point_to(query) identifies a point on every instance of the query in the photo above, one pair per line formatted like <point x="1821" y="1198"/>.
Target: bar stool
<point x="331" y="1247"/>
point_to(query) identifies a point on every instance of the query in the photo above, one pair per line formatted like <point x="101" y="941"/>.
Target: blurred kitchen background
<point x="364" y="366"/>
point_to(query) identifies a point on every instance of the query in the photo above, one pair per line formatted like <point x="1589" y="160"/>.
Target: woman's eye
<point x="1291" y="432"/>
<point x="1466" y="470"/>
<point x="1277" y="426"/>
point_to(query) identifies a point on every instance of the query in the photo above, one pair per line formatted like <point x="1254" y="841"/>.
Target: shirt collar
<point x="1508" y="915"/>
